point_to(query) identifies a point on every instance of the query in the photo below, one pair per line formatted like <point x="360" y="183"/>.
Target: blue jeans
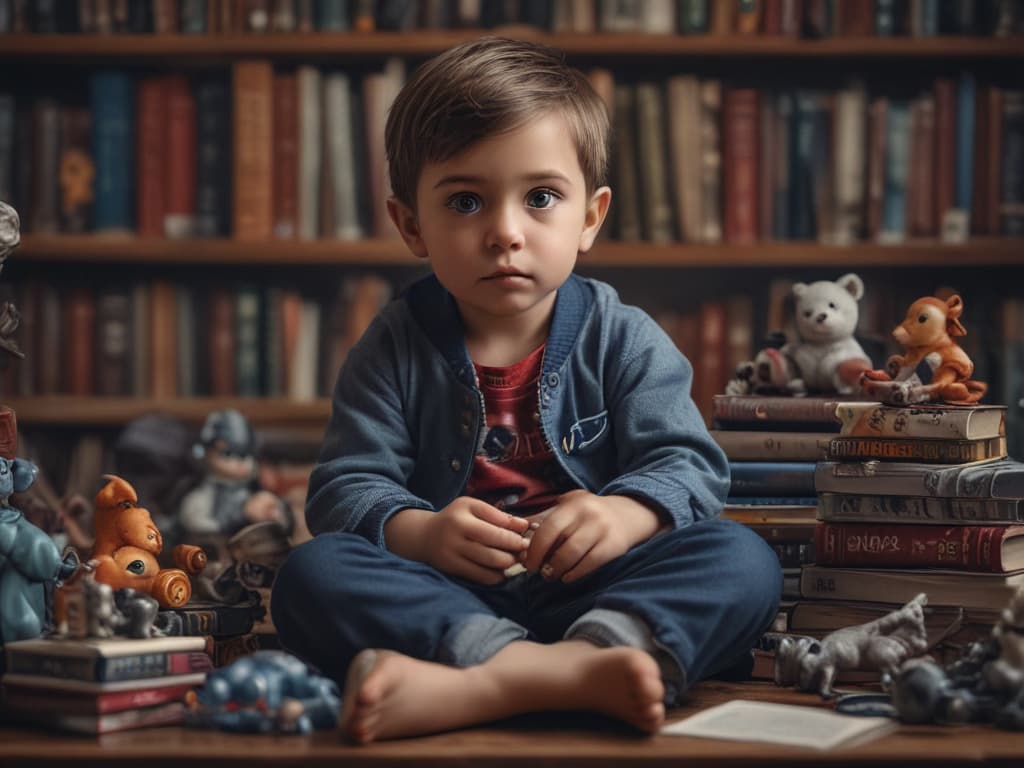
<point x="705" y="592"/>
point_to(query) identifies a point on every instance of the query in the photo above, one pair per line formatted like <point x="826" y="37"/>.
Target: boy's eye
<point x="464" y="202"/>
<point x="541" y="198"/>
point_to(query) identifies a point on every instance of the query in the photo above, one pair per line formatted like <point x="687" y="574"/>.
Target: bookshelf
<point x="673" y="275"/>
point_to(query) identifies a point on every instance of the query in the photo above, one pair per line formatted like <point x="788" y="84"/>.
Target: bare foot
<point x="388" y="695"/>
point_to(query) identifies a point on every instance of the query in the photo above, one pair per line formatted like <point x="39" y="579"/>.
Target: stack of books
<point x="773" y="444"/>
<point x="100" y="686"/>
<point x="915" y="499"/>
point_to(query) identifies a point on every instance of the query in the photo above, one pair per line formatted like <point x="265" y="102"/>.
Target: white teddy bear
<point x="826" y="358"/>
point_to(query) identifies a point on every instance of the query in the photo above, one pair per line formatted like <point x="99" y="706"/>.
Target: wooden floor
<point x="551" y="742"/>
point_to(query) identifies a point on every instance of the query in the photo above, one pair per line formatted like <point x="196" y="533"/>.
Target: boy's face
<point x="503" y="221"/>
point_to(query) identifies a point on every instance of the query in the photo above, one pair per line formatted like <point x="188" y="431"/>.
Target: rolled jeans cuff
<point x="477" y="639"/>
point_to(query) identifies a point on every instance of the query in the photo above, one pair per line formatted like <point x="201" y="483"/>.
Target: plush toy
<point x="927" y="336"/>
<point x="826" y="358"/>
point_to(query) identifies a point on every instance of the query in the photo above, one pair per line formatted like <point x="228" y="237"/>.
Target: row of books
<point x="833" y="166"/>
<point x="878" y="531"/>
<point x="796" y="18"/>
<point x="169" y="339"/>
<point x="300" y="154"/>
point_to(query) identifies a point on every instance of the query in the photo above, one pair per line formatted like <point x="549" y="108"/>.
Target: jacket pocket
<point x="586" y="434"/>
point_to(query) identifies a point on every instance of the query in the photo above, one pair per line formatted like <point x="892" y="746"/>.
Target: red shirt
<point x="514" y="468"/>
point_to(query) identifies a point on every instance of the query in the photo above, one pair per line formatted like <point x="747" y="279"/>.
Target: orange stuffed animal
<point x="926" y="334"/>
<point x="127" y="543"/>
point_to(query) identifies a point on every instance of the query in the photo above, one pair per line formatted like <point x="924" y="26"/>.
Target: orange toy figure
<point x="127" y="544"/>
<point x="926" y="334"/>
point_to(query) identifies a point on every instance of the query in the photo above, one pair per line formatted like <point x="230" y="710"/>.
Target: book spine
<point x="180" y="160"/>
<point x="113" y="128"/>
<point x="901" y="449"/>
<point x="746" y="445"/>
<point x="761" y="478"/>
<point x="740" y="166"/>
<point x="150" y="148"/>
<point x="104" y="669"/>
<point x="1011" y="199"/>
<point x="213" y="167"/>
<point x="253" y="150"/>
<point x="286" y="155"/>
<point x="967" y="547"/>
<point x="766" y="409"/>
<point x="856" y="507"/>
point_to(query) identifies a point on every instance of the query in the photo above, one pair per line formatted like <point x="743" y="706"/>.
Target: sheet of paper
<point x="780" y="724"/>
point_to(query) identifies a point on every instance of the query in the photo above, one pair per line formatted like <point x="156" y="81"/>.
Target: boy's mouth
<point x="509" y="274"/>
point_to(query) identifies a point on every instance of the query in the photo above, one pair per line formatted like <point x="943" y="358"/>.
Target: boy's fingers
<point x="489" y="557"/>
<point x="490" y="514"/>
<point x="545" y="542"/>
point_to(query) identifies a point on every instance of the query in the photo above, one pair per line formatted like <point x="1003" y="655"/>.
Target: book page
<point x="780" y="724"/>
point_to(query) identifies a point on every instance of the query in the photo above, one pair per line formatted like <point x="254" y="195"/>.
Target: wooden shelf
<point x="347" y="45"/>
<point x="385" y="252"/>
<point x="68" y="411"/>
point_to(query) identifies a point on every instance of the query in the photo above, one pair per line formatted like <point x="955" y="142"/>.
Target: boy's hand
<point x="469" y="538"/>
<point x="584" y="531"/>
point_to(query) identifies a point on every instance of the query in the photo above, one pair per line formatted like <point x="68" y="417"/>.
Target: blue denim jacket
<point x="614" y="404"/>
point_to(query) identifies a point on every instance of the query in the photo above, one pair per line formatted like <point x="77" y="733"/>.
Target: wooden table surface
<point x="560" y="741"/>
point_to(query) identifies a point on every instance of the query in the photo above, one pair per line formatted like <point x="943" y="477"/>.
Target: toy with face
<point x="927" y="336"/>
<point x="28" y="559"/>
<point x="227" y="500"/>
<point x="126" y="546"/>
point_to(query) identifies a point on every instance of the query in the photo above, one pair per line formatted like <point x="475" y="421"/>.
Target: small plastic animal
<point x="883" y="645"/>
<point x="927" y="336"/>
<point x="265" y="692"/>
<point x="127" y="543"/>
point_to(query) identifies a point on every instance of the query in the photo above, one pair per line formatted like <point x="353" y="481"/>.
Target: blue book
<point x="692" y="17"/>
<point x="926" y="18"/>
<point x="802" y="154"/>
<point x="332" y="15"/>
<point x="772" y="478"/>
<point x="1011" y="192"/>
<point x="897" y="170"/>
<point x="966" y="95"/>
<point x="113" y="142"/>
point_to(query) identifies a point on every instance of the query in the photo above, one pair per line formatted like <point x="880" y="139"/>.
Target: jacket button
<point x="465" y="430"/>
<point x="552" y="379"/>
<point x="455" y="464"/>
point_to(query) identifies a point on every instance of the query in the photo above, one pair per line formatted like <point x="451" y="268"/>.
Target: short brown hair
<point x="486" y="87"/>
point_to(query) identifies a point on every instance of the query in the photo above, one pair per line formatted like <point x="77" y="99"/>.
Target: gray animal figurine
<point x="883" y="645"/>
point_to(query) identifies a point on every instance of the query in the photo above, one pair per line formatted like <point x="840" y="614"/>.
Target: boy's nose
<point x="505" y="232"/>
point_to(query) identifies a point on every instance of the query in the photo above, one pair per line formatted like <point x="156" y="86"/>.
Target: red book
<point x="221" y="340"/>
<point x="253" y="83"/>
<point x="80" y="321"/>
<point x="286" y="155"/>
<point x="180" y="160"/>
<point x="739" y="145"/>
<point x="28" y="698"/>
<point x="151" y="113"/>
<point x="988" y="548"/>
<point x="945" y="148"/>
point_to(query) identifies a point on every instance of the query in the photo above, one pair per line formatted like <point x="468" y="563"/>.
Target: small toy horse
<point x="926" y="334"/>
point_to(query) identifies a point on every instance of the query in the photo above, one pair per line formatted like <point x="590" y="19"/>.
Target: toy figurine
<point x="926" y="334"/>
<point x="226" y="499"/>
<point x="87" y="608"/>
<point x="127" y="544"/>
<point x="10" y="237"/>
<point x="826" y="358"/>
<point x="265" y="692"/>
<point x="985" y="685"/>
<point x="883" y="644"/>
<point x="29" y="561"/>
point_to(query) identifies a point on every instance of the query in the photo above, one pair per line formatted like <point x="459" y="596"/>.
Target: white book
<point x="794" y="726"/>
<point x="310" y="152"/>
<point x="684" y="151"/>
<point x="850" y="178"/>
<point x="302" y="376"/>
<point x="341" y="157"/>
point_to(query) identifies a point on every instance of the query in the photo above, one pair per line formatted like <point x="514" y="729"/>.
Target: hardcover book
<point x="970" y="589"/>
<point x="108" y="660"/>
<point x="1000" y="479"/>
<point x="873" y="508"/>
<point x="937" y="450"/>
<point x="760" y="411"/>
<point x="987" y="548"/>
<point x="169" y="713"/>
<point x="65" y="685"/>
<point x="922" y="421"/>
<point x="31" y="698"/>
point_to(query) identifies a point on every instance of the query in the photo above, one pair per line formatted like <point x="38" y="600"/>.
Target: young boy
<point x="505" y="412"/>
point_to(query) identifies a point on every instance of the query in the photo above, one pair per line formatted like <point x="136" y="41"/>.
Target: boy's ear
<point x="597" y="209"/>
<point x="407" y="224"/>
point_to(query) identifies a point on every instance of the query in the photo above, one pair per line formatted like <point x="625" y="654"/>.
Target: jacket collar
<point x="435" y="311"/>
